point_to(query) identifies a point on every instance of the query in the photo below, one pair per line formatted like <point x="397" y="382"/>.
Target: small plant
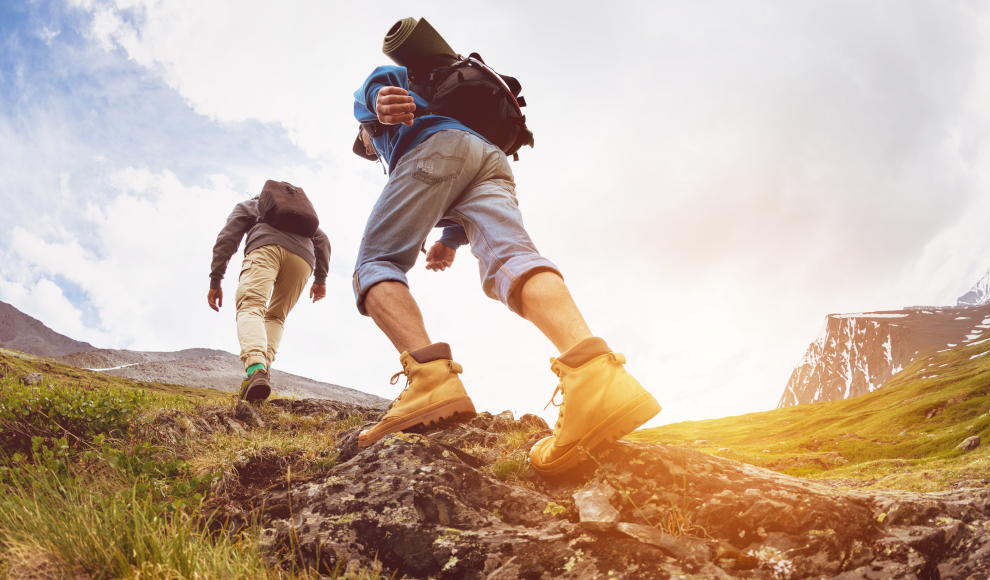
<point x="73" y="412"/>
<point x="512" y="468"/>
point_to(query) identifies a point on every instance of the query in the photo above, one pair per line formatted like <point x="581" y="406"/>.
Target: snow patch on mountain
<point x="858" y="353"/>
<point x="979" y="295"/>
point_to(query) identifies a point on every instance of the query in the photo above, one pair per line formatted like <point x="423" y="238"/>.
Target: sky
<point x="713" y="179"/>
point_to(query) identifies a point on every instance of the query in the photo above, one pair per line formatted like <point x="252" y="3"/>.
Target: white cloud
<point x="45" y="301"/>
<point x="48" y="35"/>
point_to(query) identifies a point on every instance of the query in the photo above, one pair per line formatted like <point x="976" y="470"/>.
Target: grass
<point x="90" y="531"/>
<point x="904" y="435"/>
<point x="508" y="461"/>
<point x="104" y="477"/>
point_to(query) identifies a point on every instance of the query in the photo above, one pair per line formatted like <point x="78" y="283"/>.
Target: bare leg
<point x="546" y="302"/>
<point x="395" y="311"/>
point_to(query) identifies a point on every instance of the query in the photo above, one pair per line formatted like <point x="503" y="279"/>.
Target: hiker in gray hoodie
<point x="277" y="264"/>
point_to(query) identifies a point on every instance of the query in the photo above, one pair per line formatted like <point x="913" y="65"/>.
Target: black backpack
<point x="286" y="207"/>
<point x="480" y="98"/>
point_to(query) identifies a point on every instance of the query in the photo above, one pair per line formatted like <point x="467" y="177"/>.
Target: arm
<point x="238" y="223"/>
<point x="442" y="252"/>
<point x="384" y="98"/>
<point x="454" y="237"/>
<point x="321" y="247"/>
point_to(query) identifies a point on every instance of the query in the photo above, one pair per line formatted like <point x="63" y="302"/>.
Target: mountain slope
<point x="206" y="368"/>
<point x="858" y="353"/>
<point x="18" y="331"/>
<point x="887" y="437"/>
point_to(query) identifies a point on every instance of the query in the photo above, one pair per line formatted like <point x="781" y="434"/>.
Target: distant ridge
<point x="207" y="368"/>
<point x="18" y="331"/>
<point x="979" y="295"/>
<point x="194" y="367"/>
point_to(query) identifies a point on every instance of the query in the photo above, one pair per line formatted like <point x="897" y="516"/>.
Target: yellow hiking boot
<point x="601" y="402"/>
<point x="434" y="395"/>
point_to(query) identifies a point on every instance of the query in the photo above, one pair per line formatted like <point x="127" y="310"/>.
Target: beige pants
<point x="267" y="272"/>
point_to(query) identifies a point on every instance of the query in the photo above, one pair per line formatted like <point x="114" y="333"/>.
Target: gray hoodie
<point x="245" y="220"/>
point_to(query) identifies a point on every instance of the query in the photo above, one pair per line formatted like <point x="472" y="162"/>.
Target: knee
<point x="533" y="282"/>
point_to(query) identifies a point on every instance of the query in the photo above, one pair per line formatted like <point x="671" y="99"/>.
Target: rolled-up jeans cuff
<point x="515" y="271"/>
<point x="371" y="273"/>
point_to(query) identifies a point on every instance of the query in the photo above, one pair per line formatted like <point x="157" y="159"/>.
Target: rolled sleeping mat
<point x="415" y="45"/>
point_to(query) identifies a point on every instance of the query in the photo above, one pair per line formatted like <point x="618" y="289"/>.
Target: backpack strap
<point x="482" y="64"/>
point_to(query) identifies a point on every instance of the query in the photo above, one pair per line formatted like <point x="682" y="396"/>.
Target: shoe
<point x="601" y="402"/>
<point x="434" y="395"/>
<point x="256" y="388"/>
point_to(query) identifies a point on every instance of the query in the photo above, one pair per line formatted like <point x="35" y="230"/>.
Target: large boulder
<point x="452" y="504"/>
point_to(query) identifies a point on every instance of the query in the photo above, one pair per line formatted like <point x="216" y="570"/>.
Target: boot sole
<point x="258" y="392"/>
<point x="451" y="412"/>
<point x="627" y="419"/>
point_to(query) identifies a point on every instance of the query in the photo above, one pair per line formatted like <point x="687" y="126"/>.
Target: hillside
<point x="195" y="367"/>
<point x="20" y="332"/>
<point x="104" y="478"/>
<point x="858" y="353"/>
<point x="903" y="435"/>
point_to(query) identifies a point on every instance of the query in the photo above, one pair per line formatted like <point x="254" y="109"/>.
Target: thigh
<point x="289" y="285"/>
<point x="491" y="217"/>
<point x="426" y="182"/>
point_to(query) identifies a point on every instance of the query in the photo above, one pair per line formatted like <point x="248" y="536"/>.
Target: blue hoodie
<point x="397" y="139"/>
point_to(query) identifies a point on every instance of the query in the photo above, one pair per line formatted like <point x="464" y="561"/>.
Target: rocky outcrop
<point x="857" y="353"/>
<point x="460" y="504"/>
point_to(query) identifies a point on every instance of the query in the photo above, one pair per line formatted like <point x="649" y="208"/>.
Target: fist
<point x="395" y="106"/>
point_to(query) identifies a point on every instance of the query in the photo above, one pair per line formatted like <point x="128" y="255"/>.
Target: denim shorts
<point x="459" y="178"/>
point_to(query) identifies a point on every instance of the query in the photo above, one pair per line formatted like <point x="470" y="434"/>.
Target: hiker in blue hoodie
<point x="442" y="173"/>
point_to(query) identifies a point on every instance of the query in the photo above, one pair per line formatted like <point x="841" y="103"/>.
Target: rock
<point x="235" y="427"/>
<point x="31" y="379"/>
<point x="503" y="422"/>
<point x="680" y="548"/>
<point x="482" y="421"/>
<point x="970" y="443"/>
<point x="534" y="422"/>
<point x="246" y="412"/>
<point x="430" y="506"/>
<point x="701" y="442"/>
<point x="594" y="507"/>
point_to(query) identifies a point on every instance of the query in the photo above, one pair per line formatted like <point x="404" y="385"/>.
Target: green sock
<point x="254" y="368"/>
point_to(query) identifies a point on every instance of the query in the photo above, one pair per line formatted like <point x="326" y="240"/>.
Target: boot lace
<point x="559" y="389"/>
<point x="394" y="380"/>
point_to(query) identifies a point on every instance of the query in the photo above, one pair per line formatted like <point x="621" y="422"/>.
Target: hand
<point x="215" y="298"/>
<point x="440" y="257"/>
<point x="318" y="292"/>
<point x="395" y="106"/>
<point x="369" y="147"/>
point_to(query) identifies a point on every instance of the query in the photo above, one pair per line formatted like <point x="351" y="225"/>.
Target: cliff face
<point x="979" y="295"/>
<point x="857" y="353"/>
